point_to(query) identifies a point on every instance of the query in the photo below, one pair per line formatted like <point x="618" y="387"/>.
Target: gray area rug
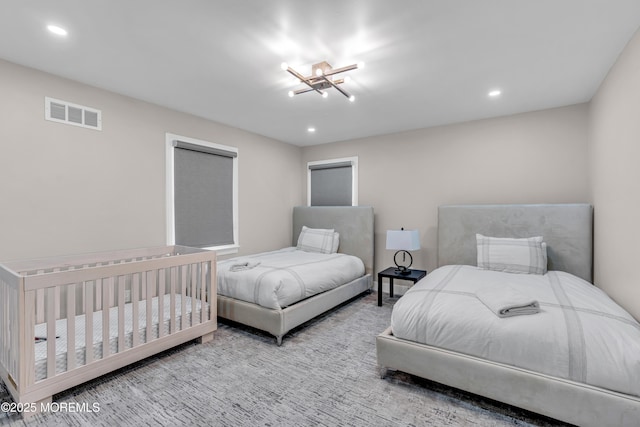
<point x="324" y="374"/>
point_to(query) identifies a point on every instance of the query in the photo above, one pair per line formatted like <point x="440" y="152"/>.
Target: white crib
<point x="67" y="320"/>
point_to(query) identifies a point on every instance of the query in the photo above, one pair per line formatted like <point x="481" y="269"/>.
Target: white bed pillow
<point x="527" y="255"/>
<point x="336" y="242"/>
<point x="316" y="240"/>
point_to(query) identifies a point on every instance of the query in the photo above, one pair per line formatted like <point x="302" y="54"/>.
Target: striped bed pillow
<point x="317" y="240"/>
<point x="527" y="255"/>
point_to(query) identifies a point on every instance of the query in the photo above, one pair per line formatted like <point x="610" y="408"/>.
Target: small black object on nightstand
<point x="393" y="273"/>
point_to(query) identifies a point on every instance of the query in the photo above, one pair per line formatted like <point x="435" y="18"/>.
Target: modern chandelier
<point x="321" y="78"/>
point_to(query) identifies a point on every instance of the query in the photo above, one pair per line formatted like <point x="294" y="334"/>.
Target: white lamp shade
<point x="407" y="240"/>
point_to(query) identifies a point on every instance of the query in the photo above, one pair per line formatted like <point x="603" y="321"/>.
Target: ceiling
<point x="428" y="62"/>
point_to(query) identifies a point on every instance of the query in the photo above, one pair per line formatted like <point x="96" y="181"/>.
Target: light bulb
<point x="319" y="72"/>
<point x="360" y="64"/>
<point x="311" y="130"/>
<point x="291" y="94"/>
<point x="325" y="94"/>
<point x="347" y="79"/>
<point x="284" y="66"/>
<point x="352" y="98"/>
<point x="495" y="93"/>
<point x="57" y="30"/>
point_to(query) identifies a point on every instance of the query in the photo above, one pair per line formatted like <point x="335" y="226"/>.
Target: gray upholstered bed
<point x="568" y="230"/>
<point x="355" y="225"/>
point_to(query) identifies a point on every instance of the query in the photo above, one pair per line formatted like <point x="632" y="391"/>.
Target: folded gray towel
<point x="505" y="301"/>
<point x="242" y="266"/>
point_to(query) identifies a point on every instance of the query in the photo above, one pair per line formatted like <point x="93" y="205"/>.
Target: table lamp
<point x="403" y="241"/>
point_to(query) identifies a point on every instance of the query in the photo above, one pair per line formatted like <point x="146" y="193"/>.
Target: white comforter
<point x="579" y="334"/>
<point x="280" y="278"/>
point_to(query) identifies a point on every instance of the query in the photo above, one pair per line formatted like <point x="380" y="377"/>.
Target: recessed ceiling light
<point x="57" y="30"/>
<point x="495" y="93"/>
<point x="311" y="129"/>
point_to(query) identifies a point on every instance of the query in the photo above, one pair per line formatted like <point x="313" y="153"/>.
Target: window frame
<point x="170" y="190"/>
<point x="354" y="176"/>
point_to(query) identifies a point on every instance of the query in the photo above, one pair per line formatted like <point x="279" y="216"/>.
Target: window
<point x="333" y="182"/>
<point x="202" y="194"/>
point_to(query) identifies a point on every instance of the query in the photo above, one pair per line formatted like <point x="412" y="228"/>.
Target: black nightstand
<point x="393" y="273"/>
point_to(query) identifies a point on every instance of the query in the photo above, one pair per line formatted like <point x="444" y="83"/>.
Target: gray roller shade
<point x="331" y="184"/>
<point x="203" y="191"/>
<point x="204" y="149"/>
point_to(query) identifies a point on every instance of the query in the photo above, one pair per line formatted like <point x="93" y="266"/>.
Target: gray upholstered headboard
<point x="354" y="223"/>
<point x="566" y="228"/>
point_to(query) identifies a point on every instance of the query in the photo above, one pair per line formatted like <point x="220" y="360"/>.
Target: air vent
<point x="72" y="114"/>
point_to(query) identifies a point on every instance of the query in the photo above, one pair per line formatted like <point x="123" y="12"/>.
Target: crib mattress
<point x="183" y="320"/>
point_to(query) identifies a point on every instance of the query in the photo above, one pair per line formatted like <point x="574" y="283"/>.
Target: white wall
<point x="67" y="189"/>
<point x="538" y="157"/>
<point x="614" y="153"/>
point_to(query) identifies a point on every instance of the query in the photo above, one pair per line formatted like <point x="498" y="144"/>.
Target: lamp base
<point x="403" y="269"/>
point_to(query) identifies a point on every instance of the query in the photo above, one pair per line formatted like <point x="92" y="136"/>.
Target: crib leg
<point x="382" y="371"/>
<point x="37" y="406"/>
<point x="205" y="338"/>
<point x="279" y="340"/>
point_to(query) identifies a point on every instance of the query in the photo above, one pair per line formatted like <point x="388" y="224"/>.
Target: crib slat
<point x="203" y="292"/>
<point x="150" y="283"/>
<point x="51" y="333"/>
<point x="112" y="288"/>
<point x="107" y="287"/>
<point x="135" y="298"/>
<point x="213" y="290"/>
<point x="162" y="276"/>
<point x="83" y="293"/>
<point x="194" y="295"/>
<point x="26" y="352"/>
<point x="121" y="286"/>
<point x="40" y="306"/>
<point x="98" y="295"/>
<point x="56" y="298"/>
<point x="183" y="298"/>
<point x="88" y="334"/>
<point x="71" y="327"/>
<point x="4" y="324"/>
<point x="172" y="301"/>
<point x="143" y="288"/>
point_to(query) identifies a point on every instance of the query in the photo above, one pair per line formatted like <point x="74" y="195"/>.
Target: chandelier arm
<point x="341" y="70"/>
<point x="305" y="90"/>
<point x="339" y="89"/>
<point x="303" y="79"/>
